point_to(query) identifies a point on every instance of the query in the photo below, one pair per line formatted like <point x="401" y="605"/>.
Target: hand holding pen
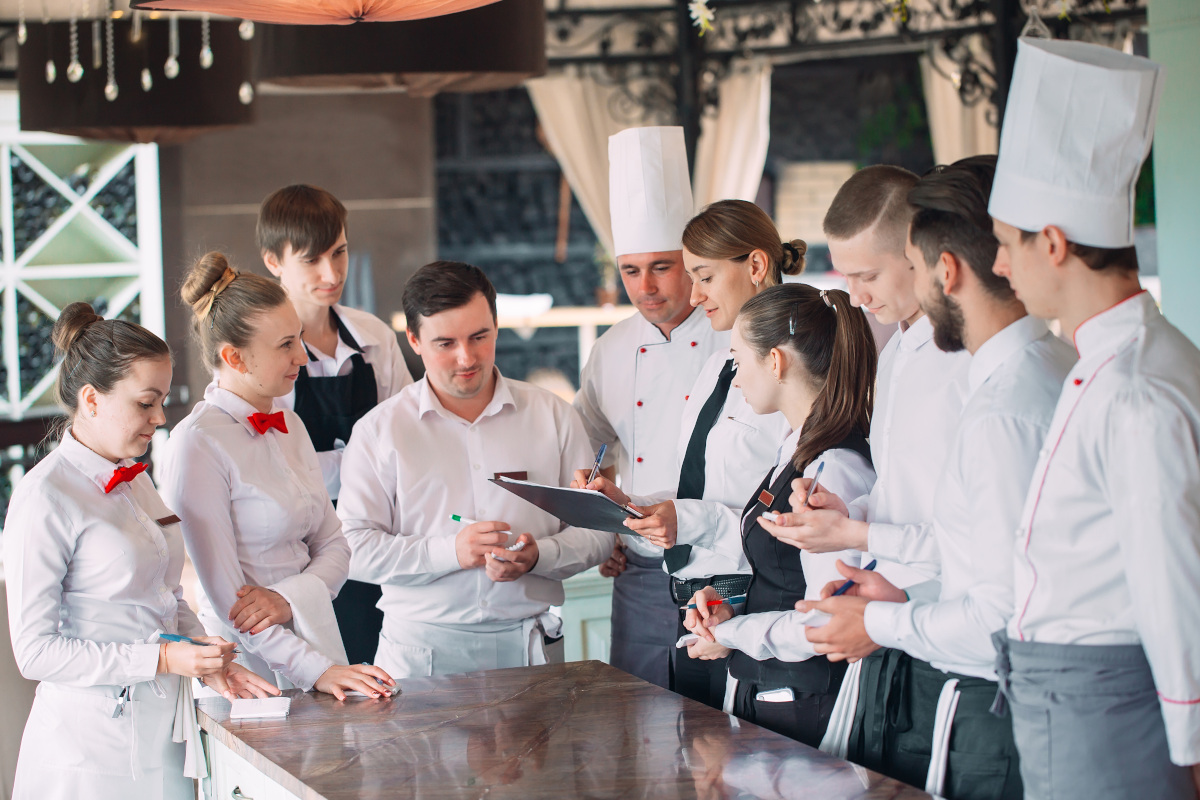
<point x="707" y="610"/>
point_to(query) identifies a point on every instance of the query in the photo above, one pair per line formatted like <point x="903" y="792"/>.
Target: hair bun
<point x="793" y="257"/>
<point x="201" y="278"/>
<point x="71" y="324"/>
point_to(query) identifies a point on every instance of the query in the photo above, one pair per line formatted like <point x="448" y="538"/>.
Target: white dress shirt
<point x="1109" y="547"/>
<point x="380" y="349"/>
<point x="918" y="388"/>
<point x="631" y="395"/>
<point x="780" y="634"/>
<point x="255" y="511"/>
<point x="411" y="464"/>
<point x="740" y="449"/>
<point x="1014" y="381"/>
<point x="91" y="576"/>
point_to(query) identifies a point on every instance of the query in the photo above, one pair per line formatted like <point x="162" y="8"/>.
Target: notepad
<point x="686" y="639"/>
<point x="261" y="708"/>
<point x="583" y="508"/>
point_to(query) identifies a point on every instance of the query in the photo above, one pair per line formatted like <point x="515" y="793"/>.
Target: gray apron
<point x="644" y="619"/>
<point x="1087" y="722"/>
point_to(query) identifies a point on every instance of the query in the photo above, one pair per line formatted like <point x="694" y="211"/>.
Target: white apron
<point x="410" y="649"/>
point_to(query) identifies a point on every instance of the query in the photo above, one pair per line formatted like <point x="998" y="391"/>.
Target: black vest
<point x="331" y="405"/>
<point x="778" y="583"/>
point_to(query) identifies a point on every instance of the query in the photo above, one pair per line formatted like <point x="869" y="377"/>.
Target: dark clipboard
<point x="582" y="508"/>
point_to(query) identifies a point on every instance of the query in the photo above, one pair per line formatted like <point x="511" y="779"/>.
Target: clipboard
<point x="582" y="508"/>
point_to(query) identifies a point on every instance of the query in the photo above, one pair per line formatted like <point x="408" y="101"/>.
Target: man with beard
<point x="1015" y="376"/>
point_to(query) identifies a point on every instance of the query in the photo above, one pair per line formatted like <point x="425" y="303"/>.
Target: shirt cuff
<point x="883" y="622"/>
<point x="1183" y="731"/>
<point x="143" y="661"/>
<point x="311" y="670"/>
<point x="884" y="541"/>
<point x="693" y="524"/>
<point x="442" y="555"/>
<point x="549" y="552"/>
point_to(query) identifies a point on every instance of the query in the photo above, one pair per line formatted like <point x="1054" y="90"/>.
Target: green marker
<point x="462" y="519"/>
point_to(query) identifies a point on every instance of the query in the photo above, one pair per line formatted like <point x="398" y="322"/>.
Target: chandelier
<point x="316" y="12"/>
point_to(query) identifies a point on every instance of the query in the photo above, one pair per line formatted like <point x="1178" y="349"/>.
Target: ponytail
<point x="833" y="341"/>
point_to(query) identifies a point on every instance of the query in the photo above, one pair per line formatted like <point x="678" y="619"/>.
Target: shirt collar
<point x="917" y="334"/>
<point x="1001" y="347"/>
<point x="500" y="398"/>
<point x="788" y="448"/>
<point x="95" y="466"/>
<point x="1107" y="330"/>
<point x="651" y="333"/>
<point x="232" y="405"/>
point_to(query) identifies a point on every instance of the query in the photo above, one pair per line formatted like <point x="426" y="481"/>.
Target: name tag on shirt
<point x="766" y="498"/>
<point x="513" y="476"/>
<point x="165" y="521"/>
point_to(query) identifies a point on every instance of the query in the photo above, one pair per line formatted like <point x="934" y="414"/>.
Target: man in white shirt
<point x="1016" y="373"/>
<point x="354" y="360"/>
<point x="637" y="379"/>
<point x="462" y="596"/>
<point x="919" y="391"/>
<point x="1101" y="662"/>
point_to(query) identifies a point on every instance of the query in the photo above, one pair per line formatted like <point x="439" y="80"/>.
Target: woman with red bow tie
<point x="257" y="520"/>
<point x="92" y="561"/>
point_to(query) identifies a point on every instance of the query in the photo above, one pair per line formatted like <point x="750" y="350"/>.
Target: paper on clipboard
<point x="582" y="508"/>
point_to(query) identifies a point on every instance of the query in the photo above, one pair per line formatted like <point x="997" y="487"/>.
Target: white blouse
<point x="255" y="511"/>
<point x="91" y="576"/>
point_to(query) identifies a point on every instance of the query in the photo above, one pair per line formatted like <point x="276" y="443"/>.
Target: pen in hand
<point x="845" y="587"/>
<point x="812" y="487"/>
<point x="741" y="598"/>
<point x="174" y="637"/>
<point x="596" y="467"/>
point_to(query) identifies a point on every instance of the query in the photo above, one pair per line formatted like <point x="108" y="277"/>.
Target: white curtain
<point x="732" y="150"/>
<point x="957" y="131"/>
<point x="576" y="113"/>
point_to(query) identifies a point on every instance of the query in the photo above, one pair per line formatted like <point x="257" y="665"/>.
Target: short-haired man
<point x="455" y="599"/>
<point x="919" y="392"/>
<point x="638" y="376"/>
<point x="354" y="360"/>
<point x="1014" y="380"/>
<point x="1101" y="662"/>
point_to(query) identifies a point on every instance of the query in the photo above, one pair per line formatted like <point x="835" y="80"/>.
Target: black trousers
<point x="893" y="729"/>
<point x="804" y="718"/>
<point x="359" y="620"/>
<point x="700" y="680"/>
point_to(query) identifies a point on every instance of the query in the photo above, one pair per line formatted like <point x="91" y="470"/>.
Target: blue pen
<point x="175" y="637"/>
<point x="845" y="587"/>
<point x="741" y="598"/>
<point x="596" y="467"/>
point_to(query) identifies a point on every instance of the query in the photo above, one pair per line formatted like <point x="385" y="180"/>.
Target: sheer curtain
<point x="957" y="130"/>
<point x="576" y="111"/>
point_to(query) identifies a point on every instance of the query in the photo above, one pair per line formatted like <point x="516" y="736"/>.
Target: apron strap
<point x="943" y="721"/>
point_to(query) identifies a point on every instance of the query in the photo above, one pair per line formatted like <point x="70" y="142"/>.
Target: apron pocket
<point x="74" y="730"/>
<point x="404" y="661"/>
<point x="971" y="776"/>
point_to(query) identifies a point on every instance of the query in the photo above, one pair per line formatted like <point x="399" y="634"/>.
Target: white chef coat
<point x="918" y="388"/>
<point x="780" y="634"/>
<point x="91" y="578"/>
<point x="255" y="511"/>
<point x="411" y="464"/>
<point x="631" y="396"/>
<point x="1014" y="381"/>
<point x="740" y="449"/>
<point x="379" y="349"/>
<point x="1109" y="547"/>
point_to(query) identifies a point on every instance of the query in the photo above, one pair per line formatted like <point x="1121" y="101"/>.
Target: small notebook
<point x="583" y="508"/>
<point x="261" y="708"/>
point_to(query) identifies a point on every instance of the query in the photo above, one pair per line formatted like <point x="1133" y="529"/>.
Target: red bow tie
<point x="124" y="474"/>
<point x="264" y="422"/>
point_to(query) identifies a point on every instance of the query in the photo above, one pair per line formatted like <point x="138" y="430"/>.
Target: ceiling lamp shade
<point x="494" y="47"/>
<point x="316" y="12"/>
<point x="146" y="90"/>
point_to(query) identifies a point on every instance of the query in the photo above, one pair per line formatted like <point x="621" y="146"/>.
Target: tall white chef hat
<point x="649" y="190"/>
<point x="1078" y="125"/>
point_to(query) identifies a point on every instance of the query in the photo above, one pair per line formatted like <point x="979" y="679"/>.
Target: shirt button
<point x="686" y="397"/>
<point x="639" y="459"/>
<point x="141" y="517"/>
<point x="642" y="350"/>
<point x="476" y="466"/>
<point x="1079" y="381"/>
<point x="693" y="344"/>
<point x="483" y="603"/>
<point x="639" y="403"/>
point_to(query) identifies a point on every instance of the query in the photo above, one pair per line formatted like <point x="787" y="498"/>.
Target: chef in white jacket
<point x="639" y="376"/>
<point x="267" y="545"/>
<point x="92" y="563"/>
<point x="455" y="599"/>
<point x="1101" y="656"/>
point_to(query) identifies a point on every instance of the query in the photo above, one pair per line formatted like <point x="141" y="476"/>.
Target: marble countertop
<point x="582" y="729"/>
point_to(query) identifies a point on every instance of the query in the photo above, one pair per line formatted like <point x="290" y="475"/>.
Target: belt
<point x="726" y="586"/>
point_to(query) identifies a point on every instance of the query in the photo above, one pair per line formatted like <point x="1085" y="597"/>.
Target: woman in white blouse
<point x="92" y="562"/>
<point x="257" y="520"/>
<point x="808" y="354"/>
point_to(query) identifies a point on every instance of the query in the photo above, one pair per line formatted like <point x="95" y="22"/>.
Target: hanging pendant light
<point x="327" y="12"/>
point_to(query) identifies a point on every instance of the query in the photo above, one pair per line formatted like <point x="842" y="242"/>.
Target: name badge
<point x="513" y="476"/>
<point x="766" y="498"/>
<point x="165" y="521"/>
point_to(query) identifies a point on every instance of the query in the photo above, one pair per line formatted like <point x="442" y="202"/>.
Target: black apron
<point x="330" y="407"/>
<point x="777" y="585"/>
